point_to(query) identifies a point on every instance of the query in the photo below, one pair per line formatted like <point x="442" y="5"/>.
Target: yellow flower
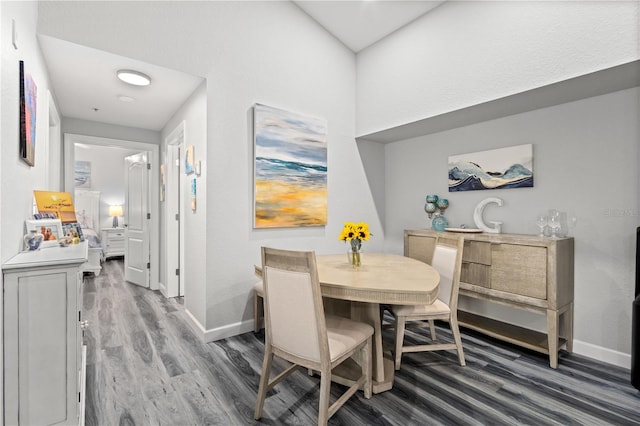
<point x="355" y="231"/>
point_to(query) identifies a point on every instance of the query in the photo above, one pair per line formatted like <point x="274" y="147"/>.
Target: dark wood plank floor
<point x="146" y="367"/>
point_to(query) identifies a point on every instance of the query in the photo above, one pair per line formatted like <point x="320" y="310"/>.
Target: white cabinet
<point x="113" y="242"/>
<point x="43" y="353"/>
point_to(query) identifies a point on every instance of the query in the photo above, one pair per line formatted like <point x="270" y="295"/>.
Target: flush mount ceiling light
<point x="134" y="77"/>
<point x="124" y="98"/>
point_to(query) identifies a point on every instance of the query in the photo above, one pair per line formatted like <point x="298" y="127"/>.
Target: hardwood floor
<point x="146" y="367"/>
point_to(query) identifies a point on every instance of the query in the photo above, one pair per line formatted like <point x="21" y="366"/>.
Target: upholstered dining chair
<point x="447" y="260"/>
<point x="297" y="330"/>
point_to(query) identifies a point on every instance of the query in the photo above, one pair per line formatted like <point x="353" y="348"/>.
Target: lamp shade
<point x="115" y="211"/>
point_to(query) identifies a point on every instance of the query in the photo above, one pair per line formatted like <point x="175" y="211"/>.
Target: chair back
<point x="447" y="260"/>
<point x="294" y="314"/>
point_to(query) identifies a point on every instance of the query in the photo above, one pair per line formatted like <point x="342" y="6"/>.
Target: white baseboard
<point x="589" y="350"/>
<point x="599" y="353"/>
<point x="163" y="289"/>
<point x="214" y="334"/>
<point x="196" y="327"/>
<point x="229" y="330"/>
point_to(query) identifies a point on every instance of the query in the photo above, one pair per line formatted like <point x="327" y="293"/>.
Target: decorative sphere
<point x="439" y="223"/>
<point x="443" y="203"/>
<point x="432" y="198"/>
<point x="430" y="208"/>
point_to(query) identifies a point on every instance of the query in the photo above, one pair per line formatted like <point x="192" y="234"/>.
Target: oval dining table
<point x="358" y="292"/>
<point x="381" y="279"/>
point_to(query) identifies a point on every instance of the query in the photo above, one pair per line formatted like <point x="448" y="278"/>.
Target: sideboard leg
<point x="553" y="324"/>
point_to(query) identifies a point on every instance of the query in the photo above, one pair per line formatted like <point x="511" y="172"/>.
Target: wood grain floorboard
<point x="145" y="366"/>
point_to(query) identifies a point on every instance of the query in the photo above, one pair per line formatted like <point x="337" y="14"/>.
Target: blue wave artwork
<point x="290" y="169"/>
<point x="502" y="168"/>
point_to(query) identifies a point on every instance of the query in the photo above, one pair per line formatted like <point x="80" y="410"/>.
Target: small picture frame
<point x="51" y="229"/>
<point x="74" y="227"/>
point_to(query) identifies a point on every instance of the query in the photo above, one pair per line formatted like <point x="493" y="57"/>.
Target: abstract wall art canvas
<point x="28" y="104"/>
<point x="510" y="167"/>
<point x="290" y="169"/>
<point x="188" y="160"/>
<point x="82" y="174"/>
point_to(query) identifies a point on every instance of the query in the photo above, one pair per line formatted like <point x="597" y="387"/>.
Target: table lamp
<point x="115" y="211"/>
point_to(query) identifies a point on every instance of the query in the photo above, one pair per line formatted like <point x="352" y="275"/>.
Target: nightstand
<point x="113" y="242"/>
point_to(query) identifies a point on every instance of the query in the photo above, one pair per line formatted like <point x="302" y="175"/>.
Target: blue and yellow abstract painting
<point x="501" y="168"/>
<point x="290" y="169"/>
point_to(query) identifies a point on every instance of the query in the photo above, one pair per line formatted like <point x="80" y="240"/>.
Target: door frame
<point x="70" y="139"/>
<point x="174" y="203"/>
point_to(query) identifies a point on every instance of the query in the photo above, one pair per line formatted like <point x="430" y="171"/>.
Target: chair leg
<point x="367" y="365"/>
<point x="399" y="326"/>
<point x="264" y="382"/>
<point x="453" y="322"/>
<point x="258" y="312"/>
<point x="432" y="327"/>
<point x="325" y="393"/>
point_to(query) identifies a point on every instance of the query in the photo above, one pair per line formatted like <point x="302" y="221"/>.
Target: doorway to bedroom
<point x="112" y="174"/>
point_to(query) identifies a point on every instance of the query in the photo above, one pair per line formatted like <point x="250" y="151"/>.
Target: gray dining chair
<point x="447" y="260"/>
<point x="298" y="331"/>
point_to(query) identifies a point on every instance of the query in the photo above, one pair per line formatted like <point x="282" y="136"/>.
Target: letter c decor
<point x="479" y="221"/>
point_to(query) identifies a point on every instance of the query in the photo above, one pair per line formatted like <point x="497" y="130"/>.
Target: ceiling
<point x="86" y="87"/>
<point x="359" y="24"/>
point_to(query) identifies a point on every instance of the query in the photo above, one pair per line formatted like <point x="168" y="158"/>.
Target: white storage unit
<point x="113" y="242"/>
<point x="44" y="359"/>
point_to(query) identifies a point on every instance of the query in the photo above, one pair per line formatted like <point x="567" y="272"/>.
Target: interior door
<point x="173" y="204"/>
<point x="136" y="245"/>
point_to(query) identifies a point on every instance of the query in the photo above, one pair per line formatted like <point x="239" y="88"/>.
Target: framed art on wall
<point x="28" y="104"/>
<point x="82" y="174"/>
<point x="290" y="169"/>
<point x="510" y="167"/>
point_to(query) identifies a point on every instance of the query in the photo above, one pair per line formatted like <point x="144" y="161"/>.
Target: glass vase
<point x="354" y="257"/>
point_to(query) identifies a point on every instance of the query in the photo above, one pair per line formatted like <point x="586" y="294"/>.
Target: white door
<point x="173" y="211"/>
<point x="136" y="245"/>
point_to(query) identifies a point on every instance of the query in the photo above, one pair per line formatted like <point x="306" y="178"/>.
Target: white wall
<point x="18" y="179"/>
<point x="266" y="52"/>
<point x="107" y="176"/>
<point x="585" y="161"/>
<point x="194" y="115"/>
<point x="110" y="131"/>
<point x="468" y="52"/>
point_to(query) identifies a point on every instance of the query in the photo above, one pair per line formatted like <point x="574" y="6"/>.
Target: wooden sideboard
<point x="521" y="271"/>
<point x="44" y="359"/>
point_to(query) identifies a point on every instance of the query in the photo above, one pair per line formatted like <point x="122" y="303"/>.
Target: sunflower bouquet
<point x="355" y="234"/>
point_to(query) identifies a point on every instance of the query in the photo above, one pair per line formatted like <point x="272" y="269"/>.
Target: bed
<point x="87" y="206"/>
